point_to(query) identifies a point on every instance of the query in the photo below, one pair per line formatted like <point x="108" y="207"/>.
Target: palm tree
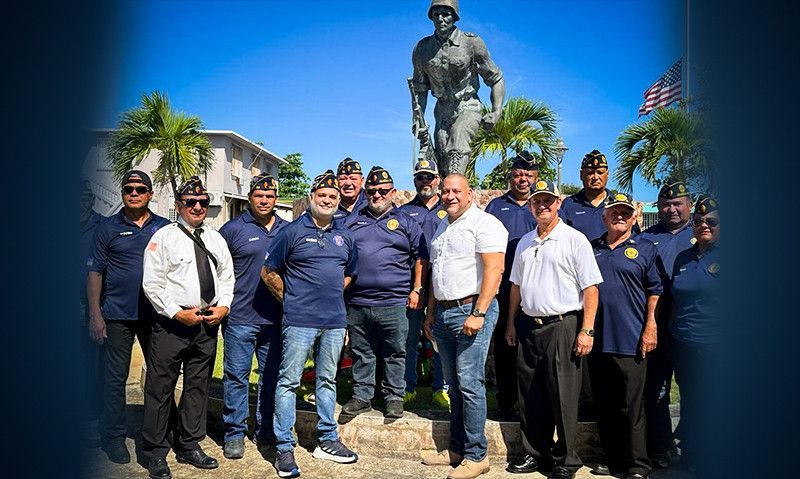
<point x="183" y="147"/>
<point x="523" y="125"/>
<point x="670" y="144"/>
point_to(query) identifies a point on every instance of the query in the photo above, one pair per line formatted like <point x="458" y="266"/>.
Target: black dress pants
<point x="173" y="345"/>
<point x="618" y="385"/>
<point x="505" y="359"/>
<point x="657" y="389"/>
<point x="549" y="377"/>
<point x="117" y="349"/>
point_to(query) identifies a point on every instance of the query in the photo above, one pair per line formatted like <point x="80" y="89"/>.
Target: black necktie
<point x="207" y="291"/>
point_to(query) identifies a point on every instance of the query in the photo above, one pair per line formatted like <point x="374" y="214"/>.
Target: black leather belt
<point x="545" y="320"/>
<point x="447" y="304"/>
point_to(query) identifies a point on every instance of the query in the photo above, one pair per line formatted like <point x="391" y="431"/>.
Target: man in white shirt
<point x="189" y="278"/>
<point x="467" y="253"/>
<point x="554" y="281"/>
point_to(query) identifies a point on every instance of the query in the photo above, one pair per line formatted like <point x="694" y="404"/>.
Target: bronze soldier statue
<point x="448" y="64"/>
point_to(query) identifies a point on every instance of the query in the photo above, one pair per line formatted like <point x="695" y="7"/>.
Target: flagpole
<point x="686" y="56"/>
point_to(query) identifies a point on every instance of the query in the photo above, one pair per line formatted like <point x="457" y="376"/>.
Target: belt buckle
<point x="538" y="321"/>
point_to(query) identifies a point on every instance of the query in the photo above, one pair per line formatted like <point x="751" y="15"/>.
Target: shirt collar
<point x="308" y="222"/>
<point x="580" y="197"/>
<point x="510" y="199"/>
<point x="557" y="232"/>
<point x="188" y="226"/>
<point x="603" y="240"/>
<point x="125" y="220"/>
<point x="417" y="201"/>
<point x="454" y="39"/>
<point x="248" y="217"/>
<point x="470" y="211"/>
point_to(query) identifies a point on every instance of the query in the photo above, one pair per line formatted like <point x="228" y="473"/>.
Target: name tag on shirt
<point x="413" y="214"/>
<point x="254" y="239"/>
<point x="311" y="240"/>
<point x="683" y="269"/>
<point x="126" y="233"/>
<point x="580" y="212"/>
<point x="503" y="209"/>
<point x="362" y="222"/>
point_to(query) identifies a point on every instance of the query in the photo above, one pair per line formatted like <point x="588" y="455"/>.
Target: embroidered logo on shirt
<point x="693" y="240"/>
<point x="503" y="209"/>
<point x="126" y="233"/>
<point x="631" y="253"/>
<point x="413" y="214"/>
<point x="392" y="224"/>
<point x="90" y="262"/>
<point x="338" y="240"/>
<point x="362" y="222"/>
<point x="311" y="240"/>
<point x="254" y="239"/>
<point x="441" y="214"/>
<point x="713" y="268"/>
<point x="580" y="212"/>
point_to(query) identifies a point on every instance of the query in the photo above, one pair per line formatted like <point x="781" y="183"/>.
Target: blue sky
<point x="328" y="79"/>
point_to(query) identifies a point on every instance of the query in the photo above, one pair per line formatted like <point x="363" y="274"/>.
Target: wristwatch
<point x="420" y="290"/>
<point x="589" y="332"/>
<point x="478" y="313"/>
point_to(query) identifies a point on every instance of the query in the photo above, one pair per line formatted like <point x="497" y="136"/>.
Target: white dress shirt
<point x="456" y="265"/>
<point x="170" y="280"/>
<point x="552" y="273"/>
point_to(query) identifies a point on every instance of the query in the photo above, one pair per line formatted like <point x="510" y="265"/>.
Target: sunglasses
<point x="711" y="222"/>
<point x="424" y="177"/>
<point x="127" y="189"/>
<point x="382" y="191"/>
<point x="190" y="202"/>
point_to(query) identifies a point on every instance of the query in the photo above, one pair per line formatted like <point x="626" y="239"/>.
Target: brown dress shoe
<point x="470" y="469"/>
<point x="444" y="458"/>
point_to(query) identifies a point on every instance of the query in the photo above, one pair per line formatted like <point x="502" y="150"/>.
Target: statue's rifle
<point x="420" y="127"/>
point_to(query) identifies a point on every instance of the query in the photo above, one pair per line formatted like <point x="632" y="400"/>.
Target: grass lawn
<point x="344" y="388"/>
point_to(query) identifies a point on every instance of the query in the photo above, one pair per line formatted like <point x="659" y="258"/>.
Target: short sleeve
<point x="654" y="276"/>
<point x="516" y="267"/>
<point x="586" y="269"/>
<point x="419" y="250"/>
<point x="98" y="254"/>
<point x="350" y="268"/>
<point x="486" y="67"/>
<point x="278" y="251"/>
<point x="419" y="78"/>
<point x="490" y="235"/>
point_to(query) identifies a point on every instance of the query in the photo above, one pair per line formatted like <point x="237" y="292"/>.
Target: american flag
<point x="664" y="91"/>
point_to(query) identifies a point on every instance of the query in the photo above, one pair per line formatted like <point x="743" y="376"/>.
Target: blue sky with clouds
<point x="328" y="79"/>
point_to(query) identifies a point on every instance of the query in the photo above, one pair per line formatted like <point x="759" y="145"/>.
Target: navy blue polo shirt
<point x="361" y="202"/>
<point x="630" y="274"/>
<point x="248" y="241"/>
<point x="118" y="252"/>
<point x="313" y="263"/>
<point x="417" y="210"/>
<point x="431" y="223"/>
<point x="668" y="244"/>
<point x="88" y="228"/>
<point x="696" y="296"/>
<point x="387" y="250"/>
<point x="518" y="220"/>
<point x="578" y="212"/>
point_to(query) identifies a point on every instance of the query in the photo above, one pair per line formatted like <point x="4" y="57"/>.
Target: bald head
<point x="456" y="195"/>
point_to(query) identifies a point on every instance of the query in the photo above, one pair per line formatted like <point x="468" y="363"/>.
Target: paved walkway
<point x="256" y="465"/>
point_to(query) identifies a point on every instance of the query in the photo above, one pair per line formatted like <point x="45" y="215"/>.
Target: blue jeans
<point x="378" y="333"/>
<point x="415" y="319"/>
<point x="296" y="343"/>
<point x="240" y="342"/>
<point x="463" y="364"/>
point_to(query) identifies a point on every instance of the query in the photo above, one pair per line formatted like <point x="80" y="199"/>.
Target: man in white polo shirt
<point x="467" y="253"/>
<point x="554" y="280"/>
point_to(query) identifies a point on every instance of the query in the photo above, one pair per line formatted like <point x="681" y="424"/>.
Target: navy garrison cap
<point x="192" y="186"/>
<point x="706" y="204"/>
<point x="349" y="166"/>
<point x="672" y="190"/>
<point x="524" y="161"/>
<point x="263" y="182"/>
<point x="594" y="159"/>
<point x="325" y="180"/>
<point x="378" y="176"/>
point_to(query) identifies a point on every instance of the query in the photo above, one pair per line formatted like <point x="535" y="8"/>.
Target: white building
<point x="228" y="180"/>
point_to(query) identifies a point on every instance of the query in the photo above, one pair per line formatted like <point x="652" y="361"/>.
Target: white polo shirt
<point x="552" y="273"/>
<point x="456" y="265"/>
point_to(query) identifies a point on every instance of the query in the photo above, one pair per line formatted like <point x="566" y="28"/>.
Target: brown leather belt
<point x="545" y="320"/>
<point x="447" y="304"/>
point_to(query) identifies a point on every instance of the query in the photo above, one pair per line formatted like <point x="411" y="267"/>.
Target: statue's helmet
<point x="444" y="3"/>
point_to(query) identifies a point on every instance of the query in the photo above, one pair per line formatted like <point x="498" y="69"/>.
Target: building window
<point x="172" y="213"/>
<point x="236" y="162"/>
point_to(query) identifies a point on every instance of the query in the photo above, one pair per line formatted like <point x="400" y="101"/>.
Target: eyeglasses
<point x="711" y="222"/>
<point x="382" y="191"/>
<point x="190" y="202"/>
<point x="127" y="189"/>
<point x="424" y="177"/>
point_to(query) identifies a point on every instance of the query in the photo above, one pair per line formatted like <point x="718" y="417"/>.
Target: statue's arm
<point x="420" y="79"/>
<point x="493" y="78"/>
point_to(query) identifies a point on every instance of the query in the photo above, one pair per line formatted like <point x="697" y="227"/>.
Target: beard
<point x="427" y="193"/>
<point x="379" y="210"/>
<point x="318" y="212"/>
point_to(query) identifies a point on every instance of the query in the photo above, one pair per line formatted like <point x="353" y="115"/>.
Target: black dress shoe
<point x="561" y="472"/>
<point x="158" y="469"/>
<point x="527" y="465"/>
<point x="117" y="452"/>
<point x="601" y="470"/>
<point x="197" y="458"/>
<point x="660" y="460"/>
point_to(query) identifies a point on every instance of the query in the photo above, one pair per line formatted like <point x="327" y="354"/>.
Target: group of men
<point x="531" y="278"/>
